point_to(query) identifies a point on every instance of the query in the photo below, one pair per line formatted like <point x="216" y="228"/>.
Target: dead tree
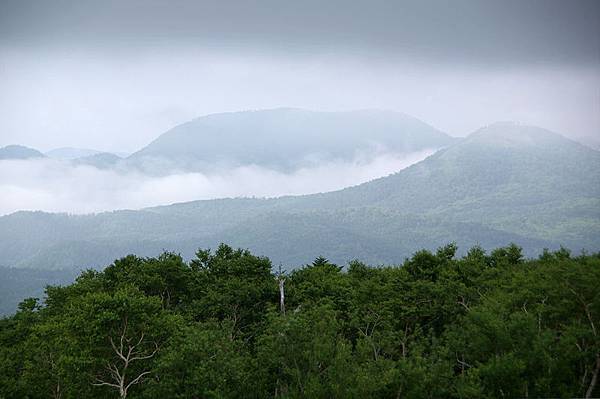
<point x="594" y="380"/>
<point x="368" y="332"/>
<point x="281" y="281"/>
<point x="127" y="351"/>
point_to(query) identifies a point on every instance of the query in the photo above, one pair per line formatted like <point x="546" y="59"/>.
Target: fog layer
<point x="60" y="186"/>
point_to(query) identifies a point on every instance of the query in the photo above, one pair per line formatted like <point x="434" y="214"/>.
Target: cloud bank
<point x="59" y="186"/>
<point x="112" y="75"/>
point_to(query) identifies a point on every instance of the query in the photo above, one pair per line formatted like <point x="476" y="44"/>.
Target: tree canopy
<point x="439" y="326"/>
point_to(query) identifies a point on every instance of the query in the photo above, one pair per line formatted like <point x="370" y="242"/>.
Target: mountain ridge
<point x="70" y="153"/>
<point x="476" y="193"/>
<point x="15" y="151"/>
<point x="289" y="138"/>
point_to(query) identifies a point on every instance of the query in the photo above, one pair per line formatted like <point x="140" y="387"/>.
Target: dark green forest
<point x="484" y="325"/>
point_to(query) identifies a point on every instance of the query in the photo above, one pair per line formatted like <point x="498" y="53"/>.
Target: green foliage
<point x="438" y="326"/>
<point x="201" y="360"/>
<point x="231" y="285"/>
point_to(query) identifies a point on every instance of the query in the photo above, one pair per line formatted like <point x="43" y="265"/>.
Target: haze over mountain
<point x="114" y="76"/>
<point x="287" y="139"/>
<point x="100" y="160"/>
<point x="264" y="153"/>
<point x="286" y="199"/>
<point x="19" y="152"/>
<point x="70" y="153"/>
<point x="506" y="182"/>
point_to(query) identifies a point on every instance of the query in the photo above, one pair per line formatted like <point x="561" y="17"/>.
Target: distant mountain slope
<point x="286" y="138"/>
<point x="101" y="160"/>
<point x="18" y="284"/>
<point x="520" y="165"/>
<point x="69" y="153"/>
<point x="19" y="152"/>
<point x="503" y="183"/>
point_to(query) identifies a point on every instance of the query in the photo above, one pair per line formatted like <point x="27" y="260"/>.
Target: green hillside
<point x="504" y="183"/>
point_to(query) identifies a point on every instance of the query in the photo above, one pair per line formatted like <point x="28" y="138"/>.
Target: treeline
<point x="481" y="326"/>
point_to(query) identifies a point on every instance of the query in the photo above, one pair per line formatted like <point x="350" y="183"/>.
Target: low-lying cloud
<point x="60" y="186"/>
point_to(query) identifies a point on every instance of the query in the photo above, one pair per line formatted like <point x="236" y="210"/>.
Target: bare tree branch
<point x="105" y="383"/>
<point x="126" y="353"/>
<point x="137" y="379"/>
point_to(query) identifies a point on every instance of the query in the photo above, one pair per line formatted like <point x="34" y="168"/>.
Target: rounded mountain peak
<point x="515" y="134"/>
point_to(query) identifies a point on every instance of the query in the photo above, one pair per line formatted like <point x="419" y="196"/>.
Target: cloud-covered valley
<point x="61" y="186"/>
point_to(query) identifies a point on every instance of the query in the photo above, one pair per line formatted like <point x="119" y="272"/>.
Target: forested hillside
<point x="505" y="182"/>
<point x="17" y="284"/>
<point x="215" y="199"/>
<point x="439" y="326"/>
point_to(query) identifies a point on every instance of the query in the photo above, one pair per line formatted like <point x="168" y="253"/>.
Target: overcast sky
<point x="113" y="75"/>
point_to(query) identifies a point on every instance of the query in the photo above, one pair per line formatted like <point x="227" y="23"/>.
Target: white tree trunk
<point x="281" y="295"/>
<point x="127" y="352"/>
<point x="594" y="380"/>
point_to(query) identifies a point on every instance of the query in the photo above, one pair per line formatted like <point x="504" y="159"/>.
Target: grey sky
<point x="115" y="74"/>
